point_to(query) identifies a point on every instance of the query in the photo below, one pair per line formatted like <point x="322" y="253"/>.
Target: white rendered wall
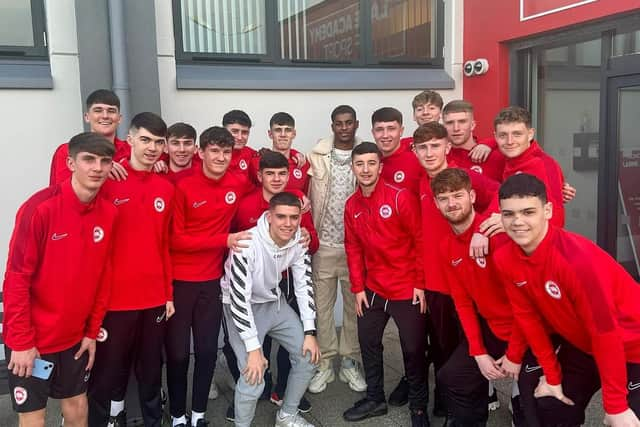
<point x="35" y="122"/>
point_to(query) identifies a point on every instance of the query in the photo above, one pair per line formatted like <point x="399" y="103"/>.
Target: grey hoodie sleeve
<point x="301" y="269"/>
<point x="240" y="288"/>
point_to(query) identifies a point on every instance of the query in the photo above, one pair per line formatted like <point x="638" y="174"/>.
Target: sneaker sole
<point x="329" y="380"/>
<point x="378" y="413"/>
<point x="344" y="379"/>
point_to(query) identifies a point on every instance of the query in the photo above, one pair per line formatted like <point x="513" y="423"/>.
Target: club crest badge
<point x="20" y="395"/>
<point x="230" y="198"/>
<point x="158" y="204"/>
<point x="398" y="176"/>
<point x="98" y="234"/>
<point x="243" y="165"/>
<point x="552" y="289"/>
<point x="297" y="173"/>
<point x="385" y="211"/>
<point x="102" y="335"/>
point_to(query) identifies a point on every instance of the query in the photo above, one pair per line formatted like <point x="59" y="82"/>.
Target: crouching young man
<point x="254" y="307"/>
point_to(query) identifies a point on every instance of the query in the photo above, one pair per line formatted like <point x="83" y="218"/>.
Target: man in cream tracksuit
<point x="255" y="307"/>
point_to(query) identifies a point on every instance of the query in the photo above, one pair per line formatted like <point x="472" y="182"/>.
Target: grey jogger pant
<point x="283" y="325"/>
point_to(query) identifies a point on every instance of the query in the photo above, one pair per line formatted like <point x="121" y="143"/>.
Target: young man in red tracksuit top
<point x="273" y="176"/>
<point x="383" y="243"/>
<point x="563" y="284"/>
<point x="205" y="204"/>
<point x="492" y="347"/>
<point x="457" y="117"/>
<point x="56" y="285"/>
<point x="141" y="294"/>
<point x="181" y="148"/>
<point x="431" y="145"/>
<point x="103" y="116"/>
<point x="400" y="165"/>
<point x="282" y="132"/>
<point x="239" y="124"/>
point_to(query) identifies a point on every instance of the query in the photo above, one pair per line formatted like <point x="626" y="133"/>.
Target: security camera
<point x="480" y="66"/>
<point x="468" y="68"/>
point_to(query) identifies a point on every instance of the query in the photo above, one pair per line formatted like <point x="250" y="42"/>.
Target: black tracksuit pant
<point x="198" y="311"/>
<point x="132" y="337"/>
<point x="412" y="330"/>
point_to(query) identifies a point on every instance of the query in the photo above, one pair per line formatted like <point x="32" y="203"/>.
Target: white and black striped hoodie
<point x="252" y="277"/>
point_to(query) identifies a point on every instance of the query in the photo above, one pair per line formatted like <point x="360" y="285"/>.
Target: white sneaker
<point x="351" y="373"/>
<point x="213" y="391"/>
<point x="320" y="380"/>
<point x="294" y="420"/>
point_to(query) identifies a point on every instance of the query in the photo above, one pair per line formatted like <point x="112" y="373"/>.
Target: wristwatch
<point x="311" y="332"/>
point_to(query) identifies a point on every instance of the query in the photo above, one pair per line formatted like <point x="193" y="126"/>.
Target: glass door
<point x="624" y="133"/>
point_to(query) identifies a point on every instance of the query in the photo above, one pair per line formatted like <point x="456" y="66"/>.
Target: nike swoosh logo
<point x="161" y="317"/>
<point x="530" y="369"/>
<point x="520" y="284"/>
<point x="357" y="215"/>
<point x="633" y="386"/>
<point x="56" y="236"/>
<point x="119" y="202"/>
<point x="455" y="262"/>
<point x="196" y="205"/>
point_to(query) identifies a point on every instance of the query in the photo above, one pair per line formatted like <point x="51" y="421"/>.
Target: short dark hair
<point x="343" y="109"/>
<point x="282" y="119"/>
<point x="91" y="142"/>
<point x="365" y="148"/>
<point x="149" y="121"/>
<point x="523" y="185"/>
<point x="457" y="106"/>
<point x="429" y="131"/>
<point x="270" y="159"/>
<point x="427" y="97"/>
<point x="285" y="198"/>
<point x="236" y="117"/>
<point x="386" y="114"/>
<point x="103" y="96"/>
<point x="216" y="135"/>
<point x="513" y="114"/>
<point x="450" y="179"/>
<point x="181" y="130"/>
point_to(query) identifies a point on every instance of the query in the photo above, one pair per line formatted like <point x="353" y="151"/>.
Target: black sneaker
<point x="366" y="409"/>
<point x="119" y="420"/>
<point x="419" y="418"/>
<point x="231" y="414"/>
<point x="400" y="395"/>
<point x="304" y="406"/>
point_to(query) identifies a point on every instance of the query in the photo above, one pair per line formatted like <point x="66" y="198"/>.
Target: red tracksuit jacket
<point x="60" y="171"/>
<point x="141" y="263"/>
<point x="476" y="289"/>
<point x="571" y="287"/>
<point x="253" y="205"/>
<point x="493" y="167"/>
<point x="435" y="227"/>
<point x="204" y="209"/>
<point x="241" y="161"/>
<point x="56" y="285"/>
<point x="383" y="242"/>
<point x="298" y="177"/>
<point x="403" y="169"/>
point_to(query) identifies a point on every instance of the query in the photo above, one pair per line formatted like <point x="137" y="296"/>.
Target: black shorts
<point x="68" y="379"/>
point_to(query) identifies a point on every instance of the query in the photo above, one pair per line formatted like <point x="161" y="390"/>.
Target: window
<point x="22" y="29"/>
<point x="338" y="33"/>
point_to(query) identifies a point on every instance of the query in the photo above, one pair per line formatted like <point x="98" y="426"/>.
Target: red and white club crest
<point x="158" y="204"/>
<point x="482" y="262"/>
<point x="243" y="165"/>
<point x="20" y="395"/>
<point x="552" y="289"/>
<point x="98" y="234"/>
<point x="297" y="173"/>
<point x="398" y="176"/>
<point x="230" y="198"/>
<point x="476" y="168"/>
<point x="385" y="211"/>
<point x="102" y="335"/>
